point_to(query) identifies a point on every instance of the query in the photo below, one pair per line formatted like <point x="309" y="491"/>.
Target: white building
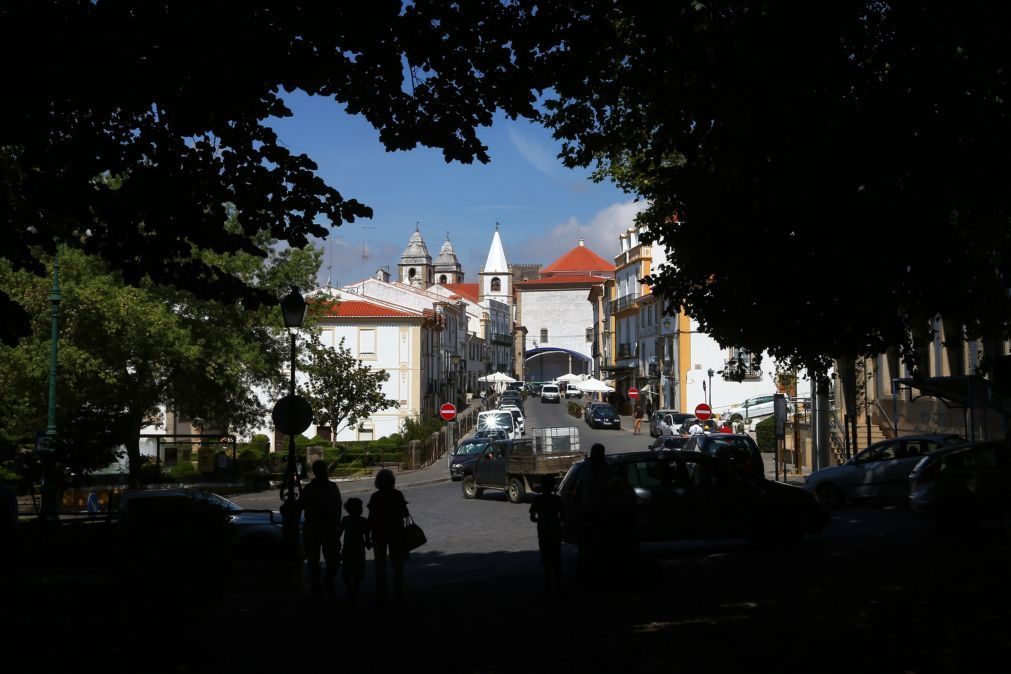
<point x="557" y="317"/>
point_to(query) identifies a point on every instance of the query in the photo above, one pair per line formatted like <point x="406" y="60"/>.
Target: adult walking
<point x="387" y="512"/>
<point x="591" y="495"/>
<point x="321" y="503"/>
<point x="638" y="420"/>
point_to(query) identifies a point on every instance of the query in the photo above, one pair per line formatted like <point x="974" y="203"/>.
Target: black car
<point x="668" y="442"/>
<point x="588" y="409"/>
<point x="737" y="448"/>
<point x="964" y="485"/>
<point x="602" y="415"/>
<point x="687" y="495"/>
<point x="466" y="454"/>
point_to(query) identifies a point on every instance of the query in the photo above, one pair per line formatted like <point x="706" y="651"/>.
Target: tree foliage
<point x="825" y="178"/>
<point x="174" y="99"/>
<point x="125" y="351"/>
<point x="341" y="390"/>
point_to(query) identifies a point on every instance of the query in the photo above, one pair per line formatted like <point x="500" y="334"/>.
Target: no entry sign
<point x="448" y="411"/>
<point x="703" y="411"/>
<point x="633" y="393"/>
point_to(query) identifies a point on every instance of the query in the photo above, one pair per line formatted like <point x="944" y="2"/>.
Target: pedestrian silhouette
<point x="618" y="536"/>
<point x="387" y="511"/>
<point x="591" y="495"/>
<point x="354" y="530"/>
<point x="321" y="503"/>
<point x="548" y="512"/>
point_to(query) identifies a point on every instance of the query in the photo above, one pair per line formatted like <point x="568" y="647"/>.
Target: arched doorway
<point x="548" y="363"/>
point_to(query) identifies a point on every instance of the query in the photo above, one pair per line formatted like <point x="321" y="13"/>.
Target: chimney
<point x="383" y="274"/>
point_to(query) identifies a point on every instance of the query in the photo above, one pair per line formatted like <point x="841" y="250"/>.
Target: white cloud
<point x="600" y="235"/>
<point x="541" y="156"/>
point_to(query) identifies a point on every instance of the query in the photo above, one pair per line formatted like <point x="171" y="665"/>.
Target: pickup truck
<point x="518" y="466"/>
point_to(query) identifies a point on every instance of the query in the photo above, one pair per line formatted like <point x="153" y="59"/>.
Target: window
<point x="589" y="334"/>
<point x="366" y="343"/>
<point x="544" y="335"/>
<point x="411" y="272"/>
<point x="366" y="432"/>
<point x="496" y="284"/>
<point x="442" y="280"/>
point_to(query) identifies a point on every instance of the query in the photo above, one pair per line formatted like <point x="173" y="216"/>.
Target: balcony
<point x="624" y="302"/>
<point x="634" y="254"/>
<point x="499" y="338"/>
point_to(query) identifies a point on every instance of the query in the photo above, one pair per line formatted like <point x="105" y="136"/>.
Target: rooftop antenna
<point x="365" y="254"/>
<point x="329" y="264"/>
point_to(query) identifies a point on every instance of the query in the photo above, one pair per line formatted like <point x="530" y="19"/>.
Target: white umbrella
<point x="593" y="385"/>
<point x="568" y="377"/>
<point x="497" y="378"/>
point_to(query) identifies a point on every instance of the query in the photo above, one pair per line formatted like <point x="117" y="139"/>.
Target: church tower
<point x="447" y="266"/>
<point x="415" y="266"/>
<point x="496" y="279"/>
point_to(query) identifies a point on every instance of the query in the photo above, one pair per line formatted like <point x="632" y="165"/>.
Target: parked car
<point x="879" y="472"/>
<point x="603" y="415"/>
<point x="551" y="394"/>
<point x="963" y="485"/>
<point x="466" y="454"/>
<point x="671" y="423"/>
<point x="668" y="442"/>
<point x="654" y="421"/>
<point x="519" y="421"/>
<point x="752" y="408"/>
<point x="153" y="520"/>
<point x="688" y="495"/>
<point x="588" y="409"/>
<point x="571" y="391"/>
<point x="738" y="448"/>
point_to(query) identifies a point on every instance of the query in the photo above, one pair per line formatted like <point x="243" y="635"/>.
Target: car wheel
<point x="830" y="495"/>
<point x="516" y="492"/>
<point x="469" y="487"/>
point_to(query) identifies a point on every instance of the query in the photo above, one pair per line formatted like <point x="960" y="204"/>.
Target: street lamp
<point x="293" y="311"/>
<point x="711" y="373"/>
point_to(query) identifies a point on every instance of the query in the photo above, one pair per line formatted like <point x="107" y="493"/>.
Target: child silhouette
<point x="355" y="531"/>
<point x="548" y="512"/>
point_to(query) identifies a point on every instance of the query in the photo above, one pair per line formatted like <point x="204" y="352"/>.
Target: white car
<point x="572" y="392"/>
<point x="753" y="408"/>
<point x="518" y="419"/>
<point x="550" y="394"/>
<point x="879" y="472"/>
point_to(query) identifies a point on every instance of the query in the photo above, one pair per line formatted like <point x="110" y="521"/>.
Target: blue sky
<point x="542" y="207"/>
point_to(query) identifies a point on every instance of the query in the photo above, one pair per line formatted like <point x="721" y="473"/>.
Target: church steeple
<point x="447" y="265"/>
<point x="496" y="279"/>
<point x="415" y="266"/>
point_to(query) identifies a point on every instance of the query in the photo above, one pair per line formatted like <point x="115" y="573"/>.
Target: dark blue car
<point x="603" y="416"/>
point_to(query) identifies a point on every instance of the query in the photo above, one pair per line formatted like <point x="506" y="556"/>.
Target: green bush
<point x="150" y="470"/>
<point x="765" y="434"/>
<point x="420" y="429"/>
<point x="183" y="471"/>
<point x="575" y="409"/>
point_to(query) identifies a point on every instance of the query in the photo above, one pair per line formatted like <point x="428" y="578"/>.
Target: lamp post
<point x="710" y="373"/>
<point x="293" y="312"/>
<point x="50" y="479"/>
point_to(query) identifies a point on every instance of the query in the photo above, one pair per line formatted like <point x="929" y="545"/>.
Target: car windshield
<point x="470" y="448"/>
<point x="602" y="409"/>
<point x="494" y="420"/>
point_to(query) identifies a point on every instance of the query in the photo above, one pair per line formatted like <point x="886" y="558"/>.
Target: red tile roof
<point x="580" y="259"/>
<point x="357" y="309"/>
<point x="572" y="279"/>
<point x="470" y="291"/>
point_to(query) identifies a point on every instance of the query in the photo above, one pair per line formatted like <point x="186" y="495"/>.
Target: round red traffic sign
<point x="448" y="411"/>
<point x="703" y="411"/>
<point x="633" y="393"/>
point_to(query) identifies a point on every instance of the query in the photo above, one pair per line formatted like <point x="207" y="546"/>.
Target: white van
<point x="551" y="394"/>
<point x="497" y="420"/>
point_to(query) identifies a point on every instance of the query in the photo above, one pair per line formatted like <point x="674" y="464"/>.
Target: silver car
<point x="880" y="472"/>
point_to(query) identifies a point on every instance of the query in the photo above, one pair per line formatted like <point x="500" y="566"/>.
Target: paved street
<point x="878" y="591"/>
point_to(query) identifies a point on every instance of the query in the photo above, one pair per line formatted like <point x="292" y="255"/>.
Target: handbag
<point x="414" y="537"/>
